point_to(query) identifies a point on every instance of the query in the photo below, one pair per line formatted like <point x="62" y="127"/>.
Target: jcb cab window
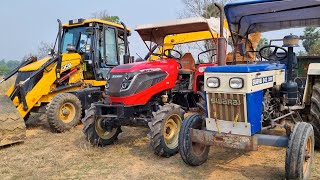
<point x="75" y="36"/>
<point x="111" y="46"/>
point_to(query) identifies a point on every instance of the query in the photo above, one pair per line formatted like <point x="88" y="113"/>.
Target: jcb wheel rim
<point x="307" y="156"/>
<point x="171" y="131"/>
<point x="102" y="133"/>
<point x="67" y="112"/>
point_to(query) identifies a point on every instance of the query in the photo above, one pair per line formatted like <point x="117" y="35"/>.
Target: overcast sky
<point x="24" y="24"/>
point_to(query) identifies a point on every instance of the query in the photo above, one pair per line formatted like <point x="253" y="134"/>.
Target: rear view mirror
<point x="242" y="49"/>
<point x="90" y="30"/>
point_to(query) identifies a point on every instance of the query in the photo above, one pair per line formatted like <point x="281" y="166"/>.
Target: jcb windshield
<point x="77" y="36"/>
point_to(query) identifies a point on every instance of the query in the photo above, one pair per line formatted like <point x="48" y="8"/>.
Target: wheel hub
<point x="171" y="130"/>
<point x="67" y="112"/>
<point x="102" y="131"/>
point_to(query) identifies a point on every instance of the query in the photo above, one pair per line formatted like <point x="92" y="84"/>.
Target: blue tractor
<point x="246" y="102"/>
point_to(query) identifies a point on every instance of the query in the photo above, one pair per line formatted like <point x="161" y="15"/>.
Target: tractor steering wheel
<point x="273" y="55"/>
<point x="168" y="53"/>
<point x="203" y="52"/>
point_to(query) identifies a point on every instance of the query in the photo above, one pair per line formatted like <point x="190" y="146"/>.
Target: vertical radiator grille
<point x="227" y="106"/>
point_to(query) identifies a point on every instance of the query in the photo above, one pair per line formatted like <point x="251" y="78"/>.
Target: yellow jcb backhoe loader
<point x="63" y="85"/>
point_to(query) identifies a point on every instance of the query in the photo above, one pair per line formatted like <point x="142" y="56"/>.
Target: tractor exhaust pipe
<point x="59" y="54"/>
<point x="222" y="43"/>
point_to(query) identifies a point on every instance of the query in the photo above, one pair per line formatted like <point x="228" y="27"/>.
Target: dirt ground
<point x="46" y="155"/>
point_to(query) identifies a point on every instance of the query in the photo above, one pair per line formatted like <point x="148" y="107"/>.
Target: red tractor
<point x="154" y="93"/>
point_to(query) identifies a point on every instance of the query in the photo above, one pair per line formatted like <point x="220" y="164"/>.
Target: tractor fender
<point x="313" y="73"/>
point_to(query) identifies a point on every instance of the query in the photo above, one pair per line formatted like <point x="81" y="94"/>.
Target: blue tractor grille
<point x="228" y="107"/>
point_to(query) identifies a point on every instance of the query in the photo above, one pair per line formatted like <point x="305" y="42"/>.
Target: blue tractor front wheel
<point x="192" y="153"/>
<point x="300" y="152"/>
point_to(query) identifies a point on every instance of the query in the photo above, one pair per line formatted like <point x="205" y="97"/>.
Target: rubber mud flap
<point x="12" y="126"/>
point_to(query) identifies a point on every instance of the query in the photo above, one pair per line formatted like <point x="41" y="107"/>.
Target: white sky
<point x="24" y="24"/>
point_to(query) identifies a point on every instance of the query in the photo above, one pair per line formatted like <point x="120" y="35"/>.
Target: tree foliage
<point x="263" y="42"/>
<point x="42" y="52"/>
<point x="312" y="42"/>
<point x="104" y="15"/>
<point x="201" y="8"/>
<point x="6" y="66"/>
<point x="315" y="49"/>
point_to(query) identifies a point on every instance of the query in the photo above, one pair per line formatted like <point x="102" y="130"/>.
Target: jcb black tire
<point x="315" y="112"/>
<point x="164" y="130"/>
<point x="93" y="131"/>
<point x="300" y="152"/>
<point x="64" y="112"/>
<point x="193" y="154"/>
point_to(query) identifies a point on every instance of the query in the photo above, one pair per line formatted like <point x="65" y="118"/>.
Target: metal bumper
<point x="235" y="141"/>
<point x="118" y="111"/>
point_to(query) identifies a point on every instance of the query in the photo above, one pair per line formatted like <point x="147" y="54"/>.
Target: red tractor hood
<point x="167" y="65"/>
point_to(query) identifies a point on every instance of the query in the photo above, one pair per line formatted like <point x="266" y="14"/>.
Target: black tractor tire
<point x="64" y="112"/>
<point x="300" y="152"/>
<point x="193" y="154"/>
<point x="93" y="131"/>
<point x="315" y="112"/>
<point x="164" y="130"/>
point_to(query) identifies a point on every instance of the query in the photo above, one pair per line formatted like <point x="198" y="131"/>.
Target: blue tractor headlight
<point x="236" y="83"/>
<point x="213" y="82"/>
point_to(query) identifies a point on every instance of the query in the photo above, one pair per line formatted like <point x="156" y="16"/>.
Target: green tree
<point x="263" y="42"/>
<point x="312" y="35"/>
<point x="3" y="67"/>
<point x="315" y="49"/>
<point x="104" y="15"/>
<point x="11" y="64"/>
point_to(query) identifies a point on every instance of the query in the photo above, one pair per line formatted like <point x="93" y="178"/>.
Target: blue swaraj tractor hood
<point x="245" y="68"/>
<point x="269" y="15"/>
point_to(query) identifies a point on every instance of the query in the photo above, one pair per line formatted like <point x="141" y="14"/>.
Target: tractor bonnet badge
<point x="117" y="76"/>
<point x="221" y="101"/>
<point x="262" y="80"/>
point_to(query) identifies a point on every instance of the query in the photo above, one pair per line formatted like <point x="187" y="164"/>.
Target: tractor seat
<point x="187" y="64"/>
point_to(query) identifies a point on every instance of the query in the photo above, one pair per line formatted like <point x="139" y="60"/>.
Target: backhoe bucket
<point x="12" y="126"/>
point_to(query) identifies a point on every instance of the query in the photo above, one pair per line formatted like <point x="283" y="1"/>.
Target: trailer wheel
<point x="315" y="112"/>
<point x="94" y="132"/>
<point x="192" y="153"/>
<point x="64" y="112"/>
<point x="164" y="130"/>
<point x="300" y="152"/>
